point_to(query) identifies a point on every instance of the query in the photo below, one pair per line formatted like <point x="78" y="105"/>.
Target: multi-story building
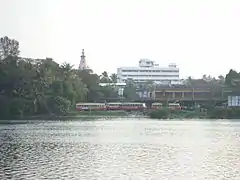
<point x="148" y="71"/>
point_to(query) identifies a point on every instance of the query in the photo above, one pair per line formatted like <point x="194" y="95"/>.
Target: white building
<point x="148" y="71"/>
<point x="113" y="84"/>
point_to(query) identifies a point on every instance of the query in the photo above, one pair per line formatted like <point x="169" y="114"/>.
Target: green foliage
<point x="114" y="78"/>
<point x="233" y="80"/>
<point x="224" y="113"/>
<point x="108" y="92"/>
<point x="232" y="75"/>
<point x="8" y="47"/>
<point x="27" y="85"/>
<point x="130" y="92"/>
<point x="166" y="113"/>
<point x="59" y="105"/>
<point x="103" y="113"/>
<point x="94" y="91"/>
<point x="105" y="78"/>
<point x="160" y="113"/>
<point x="41" y="86"/>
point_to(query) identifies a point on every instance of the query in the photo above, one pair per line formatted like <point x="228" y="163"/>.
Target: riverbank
<point x="214" y="113"/>
<point x="72" y="115"/>
<point x="164" y="113"/>
<point x="176" y="114"/>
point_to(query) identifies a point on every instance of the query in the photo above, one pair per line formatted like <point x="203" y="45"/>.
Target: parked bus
<point x="174" y="106"/>
<point x="128" y="106"/>
<point x="114" y="106"/>
<point x="90" y="106"/>
<point x="156" y="105"/>
<point x="131" y="106"/>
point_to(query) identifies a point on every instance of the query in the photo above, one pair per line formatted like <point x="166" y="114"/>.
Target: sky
<point x="200" y="36"/>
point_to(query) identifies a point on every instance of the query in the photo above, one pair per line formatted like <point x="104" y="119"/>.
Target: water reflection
<point x="120" y="149"/>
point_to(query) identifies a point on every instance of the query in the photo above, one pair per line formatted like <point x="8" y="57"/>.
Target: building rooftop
<point x="147" y="63"/>
<point x="112" y="84"/>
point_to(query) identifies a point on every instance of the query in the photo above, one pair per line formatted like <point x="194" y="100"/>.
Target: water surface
<point x="121" y="149"/>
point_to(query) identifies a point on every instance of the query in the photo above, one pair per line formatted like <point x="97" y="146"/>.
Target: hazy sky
<point x="200" y="36"/>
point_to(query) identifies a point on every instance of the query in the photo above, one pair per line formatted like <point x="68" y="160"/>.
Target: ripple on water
<point x="120" y="150"/>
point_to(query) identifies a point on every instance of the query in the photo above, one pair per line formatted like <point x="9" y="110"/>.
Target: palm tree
<point x="204" y="77"/>
<point x="105" y="74"/>
<point x="114" y="78"/>
<point x="189" y="81"/>
<point x="221" y="79"/>
<point x="67" y="70"/>
<point x="104" y="77"/>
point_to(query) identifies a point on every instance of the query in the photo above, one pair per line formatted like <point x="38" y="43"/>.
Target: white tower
<point x="83" y="63"/>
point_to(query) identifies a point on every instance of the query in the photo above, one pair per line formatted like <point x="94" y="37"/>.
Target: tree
<point x="31" y="87"/>
<point x="231" y="76"/>
<point x="233" y="80"/>
<point x="92" y="84"/>
<point x="105" y="74"/>
<point x="221" y="79"/>
<point x="207" y="78"/>
<point x="204" y="77"/>
<point x="130" y="82"/>
<point x="8" y="47"/>
<point x="108" y="92"/>
<point x="41" y="86"/>
<point x="189" y="81"/>
<point x="129" y="92"/>
<point x="104" y="78"/>
<point x="114" y="78"/>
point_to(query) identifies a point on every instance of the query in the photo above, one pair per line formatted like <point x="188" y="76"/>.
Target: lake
<point x="120" y="148"/>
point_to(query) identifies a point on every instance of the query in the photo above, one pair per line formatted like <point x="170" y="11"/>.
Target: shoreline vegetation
<point x="160" y="114"/>
<point x="33" y="87"/>
<point x="71" y="115"/>
<point x="43" y="89"/>
<point x="214" y="113"/>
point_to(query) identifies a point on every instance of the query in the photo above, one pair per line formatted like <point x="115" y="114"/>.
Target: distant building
<point x="148" y="71"/>
<point x="113" y="84"/>
<point x="36" y="61"/>
<point x="233" y="101"/>
<point x="83" y="63"/>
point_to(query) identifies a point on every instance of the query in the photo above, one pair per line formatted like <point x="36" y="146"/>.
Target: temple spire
<point x="83" y="56"/>
<point x="83" y="63"/>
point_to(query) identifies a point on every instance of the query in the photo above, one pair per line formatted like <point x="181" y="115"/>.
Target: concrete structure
<point x="148" y="71"/>
<point x="113" y="84"/>
<point x="233" y="101"/>
<point x="196" y="94"/>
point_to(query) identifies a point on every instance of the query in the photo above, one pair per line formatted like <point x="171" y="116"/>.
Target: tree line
<point x="42" y="86"/>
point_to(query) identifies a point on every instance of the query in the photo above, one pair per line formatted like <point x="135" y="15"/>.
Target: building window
<point x="129" y="70"/>
<point x="166" y="71"/>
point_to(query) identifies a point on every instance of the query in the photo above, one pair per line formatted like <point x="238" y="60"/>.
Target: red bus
<point x="174" y="106"/>
<point x="156" y="105"/>
<point x="114" y="106"/>
<point x="131" y="106"/>
<point x="90" y="106"/>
